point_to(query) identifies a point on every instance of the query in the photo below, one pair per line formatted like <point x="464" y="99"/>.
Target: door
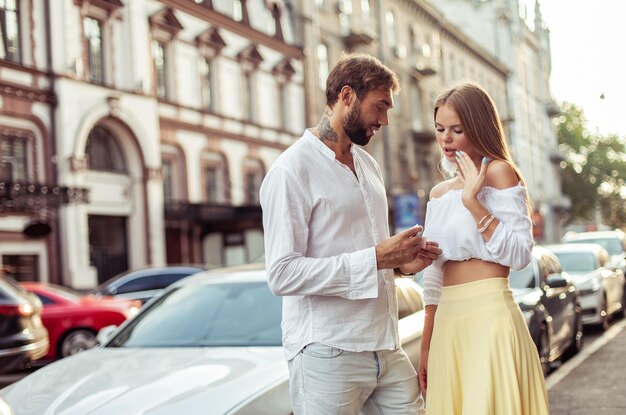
<point x="108" y="245"/>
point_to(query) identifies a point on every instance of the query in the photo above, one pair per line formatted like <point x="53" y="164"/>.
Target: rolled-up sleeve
<point x="286" y="216"/>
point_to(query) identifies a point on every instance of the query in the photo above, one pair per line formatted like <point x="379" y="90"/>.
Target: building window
<point x="323" y="65"/>
<point x="416" y="107"/>
<point x="248" y="90"/>
<point x="13" y="159"/>
<point x="168" y="179"/>
<point x="206" y="73"/>
<point x="21" y="267"/>
<point x="390" y="19"/>
<point x="160" y="68"/>
<point x="230" y="8"/>
<point x="95" y="50"/>
<point x="103" y="151"/>
<point x="215" y="176"/>
<point x="10" y="30"/>
<point x="345" y="16"/>
<point x="366" y="9"/>
<point x="261" y="17"/>
<point x="283" y="105"/>
<point x="253" y="176"/>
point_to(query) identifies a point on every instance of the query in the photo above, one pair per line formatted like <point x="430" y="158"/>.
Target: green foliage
<point x="594" y="169"/>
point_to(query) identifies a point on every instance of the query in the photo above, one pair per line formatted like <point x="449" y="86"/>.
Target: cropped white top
<point x="450" y="224"/>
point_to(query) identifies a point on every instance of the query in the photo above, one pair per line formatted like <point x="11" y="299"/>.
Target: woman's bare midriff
<point x="461" y="272"/>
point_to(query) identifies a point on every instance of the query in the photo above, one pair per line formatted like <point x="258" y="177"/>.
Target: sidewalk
<point x="594" y="381"/>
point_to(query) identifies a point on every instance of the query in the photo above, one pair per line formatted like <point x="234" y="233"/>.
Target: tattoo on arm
<point x="326" y="131"/>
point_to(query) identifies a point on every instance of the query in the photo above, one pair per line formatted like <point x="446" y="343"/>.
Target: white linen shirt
<point x="450" y="224"/>
<point x="321" y="226"/>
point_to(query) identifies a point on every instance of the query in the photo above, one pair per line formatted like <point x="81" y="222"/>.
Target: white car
<point x="210" y="344"/>
<point x="601" y="288"/>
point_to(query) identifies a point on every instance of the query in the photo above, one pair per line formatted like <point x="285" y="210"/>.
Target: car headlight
<point x="5" y="408"/>
<point x="590" y="286"/>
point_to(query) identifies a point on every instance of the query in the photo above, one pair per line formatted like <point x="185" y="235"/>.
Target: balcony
<point x="360" y="37"/>
<point x="214" y="216"/>
<point x="33" y="197"/>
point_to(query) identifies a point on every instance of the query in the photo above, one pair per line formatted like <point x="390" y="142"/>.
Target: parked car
<point x="210" y="344"/>
<point x="551" y="307"/>
<point x="613" y="241"/>
<point x="601" y="288"/>
<point x="143" y="284"/>
<point x="23" y="337"/>
<point x="73" y="319"/>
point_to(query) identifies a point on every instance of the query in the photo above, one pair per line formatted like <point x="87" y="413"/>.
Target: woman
<point x="477" y="355"/>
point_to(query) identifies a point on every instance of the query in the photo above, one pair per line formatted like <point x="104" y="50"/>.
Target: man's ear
<point x="347" y="95"/>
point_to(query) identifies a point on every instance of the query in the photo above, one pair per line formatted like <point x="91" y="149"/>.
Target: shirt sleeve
<point x="433" y="280"/>
<point x="286" y="215"/>
<point x="512" y="241"/>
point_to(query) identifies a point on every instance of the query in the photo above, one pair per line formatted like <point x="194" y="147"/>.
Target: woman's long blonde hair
<point x="481" y="123"/>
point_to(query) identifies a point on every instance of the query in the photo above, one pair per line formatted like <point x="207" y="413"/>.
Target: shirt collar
<point x="323" y="148"/>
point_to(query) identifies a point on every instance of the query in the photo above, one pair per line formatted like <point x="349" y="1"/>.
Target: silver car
<point x="600" y="284"/>
<point x="210" y="344"/>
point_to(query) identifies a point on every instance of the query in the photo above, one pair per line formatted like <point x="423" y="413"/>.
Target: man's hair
<point x="363" y="73"/>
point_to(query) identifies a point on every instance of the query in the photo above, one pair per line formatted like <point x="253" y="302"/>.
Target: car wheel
<point x="77" y="341"/>
<point x="543" y="347"/>
<point x="577" y="341"/>
<point x="604" y="315"/>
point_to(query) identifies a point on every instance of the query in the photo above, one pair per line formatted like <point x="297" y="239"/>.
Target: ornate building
<point x="154" y="120"/>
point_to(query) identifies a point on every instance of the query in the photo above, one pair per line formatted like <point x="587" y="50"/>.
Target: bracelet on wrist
<point x="486" y="225"/>
<point x="489" y="214"/>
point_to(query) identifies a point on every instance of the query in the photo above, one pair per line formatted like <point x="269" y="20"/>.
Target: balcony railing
<point x="32" y="197"/>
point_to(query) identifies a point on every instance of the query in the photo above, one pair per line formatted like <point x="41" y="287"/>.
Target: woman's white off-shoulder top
<point x="450" y="224"/>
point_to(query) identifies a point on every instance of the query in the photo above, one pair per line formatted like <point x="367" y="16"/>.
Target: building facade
<point x="428" y="54"/>
<point x="163" y="116"/>
<point x="514" y="32"/>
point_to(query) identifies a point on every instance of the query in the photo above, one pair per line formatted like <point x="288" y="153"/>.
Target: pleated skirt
<point x="482" y="360"/>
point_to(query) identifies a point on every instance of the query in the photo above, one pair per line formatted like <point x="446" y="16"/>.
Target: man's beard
<point x="355" y="127"/>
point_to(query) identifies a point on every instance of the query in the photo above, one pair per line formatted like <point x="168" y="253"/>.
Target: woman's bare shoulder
<point x="441" y="188"/>
<point x="501" y="175"/>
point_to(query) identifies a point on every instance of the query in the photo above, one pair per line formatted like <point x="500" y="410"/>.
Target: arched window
<point x="103" y="151"/>
<point x="215" y="178"/>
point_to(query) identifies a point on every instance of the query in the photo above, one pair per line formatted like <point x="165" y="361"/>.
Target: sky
<point x="588" y="42"/>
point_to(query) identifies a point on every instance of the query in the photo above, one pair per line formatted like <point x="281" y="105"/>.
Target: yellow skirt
<point x="482" y="360"/>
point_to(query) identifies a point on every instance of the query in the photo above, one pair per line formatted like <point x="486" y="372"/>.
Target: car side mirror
<point x="556" y="281"/>
<point x="105" y="334"/>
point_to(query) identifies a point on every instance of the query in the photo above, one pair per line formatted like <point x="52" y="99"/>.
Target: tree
<point x="594" y="169"/>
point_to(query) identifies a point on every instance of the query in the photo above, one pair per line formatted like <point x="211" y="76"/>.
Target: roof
<point x="575" y="248"/>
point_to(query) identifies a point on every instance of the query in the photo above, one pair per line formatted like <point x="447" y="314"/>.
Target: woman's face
<point x="451" y="136"/>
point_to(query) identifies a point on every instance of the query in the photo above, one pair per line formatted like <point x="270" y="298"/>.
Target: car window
<point x="149" y="282"/>
<point x="524" y="278"/>
<point x="45" y="300"/>
<point x="612" y="245"/>
<point x="10" y="292"/>
<point x="577" y="261"/>
<point x="228" y="314"/>
<point x="404" y="306"/>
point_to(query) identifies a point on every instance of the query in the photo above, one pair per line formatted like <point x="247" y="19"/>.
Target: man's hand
<point x="400" y="248"/>
<point x="424" y="258"/>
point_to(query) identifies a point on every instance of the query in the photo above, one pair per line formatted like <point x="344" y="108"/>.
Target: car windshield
<point x="612" y="245"/>
<point x="524" y="278"/>
<point x="577" y="261"/>
<point x="229" y="314"/>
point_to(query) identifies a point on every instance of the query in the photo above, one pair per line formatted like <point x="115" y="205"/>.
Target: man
<point x="328" y="252"/>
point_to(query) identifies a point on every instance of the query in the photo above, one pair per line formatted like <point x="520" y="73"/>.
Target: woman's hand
<point x="424" y="258"/>
<point x="422" y="376"/>
<point x="471" y="177"/>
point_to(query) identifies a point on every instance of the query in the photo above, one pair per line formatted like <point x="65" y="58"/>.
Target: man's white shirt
<point x="321" y="225"/>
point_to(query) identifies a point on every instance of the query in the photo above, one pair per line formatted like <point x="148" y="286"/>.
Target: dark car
<point x="23" y="337"/>
<point x="551" y="307"/>
<point x="143" y="284"/>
